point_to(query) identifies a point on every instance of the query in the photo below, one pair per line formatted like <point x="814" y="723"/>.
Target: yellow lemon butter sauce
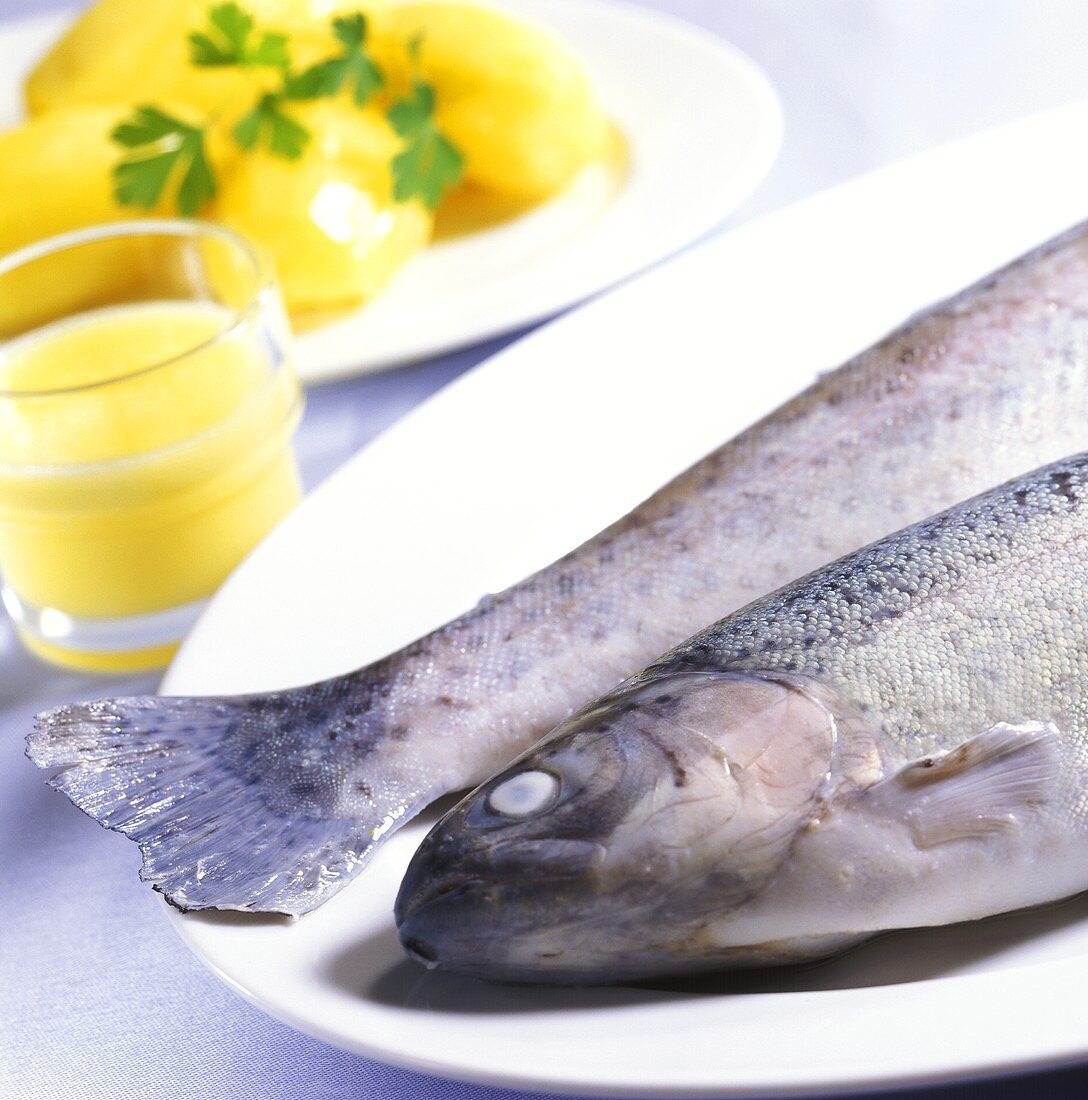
<point x="144" y="449"/>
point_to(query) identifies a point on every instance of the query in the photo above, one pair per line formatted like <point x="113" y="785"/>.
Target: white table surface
<point x="98" y="998"/>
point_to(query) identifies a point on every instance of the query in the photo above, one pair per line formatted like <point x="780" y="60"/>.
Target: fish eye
<point x="524" y="795"/>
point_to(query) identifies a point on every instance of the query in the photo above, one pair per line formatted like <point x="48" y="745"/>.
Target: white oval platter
<point x="518" y="461"/>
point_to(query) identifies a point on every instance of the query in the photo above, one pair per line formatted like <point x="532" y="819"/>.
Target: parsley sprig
<point x="269" y="124"/>
<point x="166" y="148"/>
<point x="352" y="66"/>
<point x="166" y="154"/>
<point x="429" y="163"/>
<point x="229" y="40"/>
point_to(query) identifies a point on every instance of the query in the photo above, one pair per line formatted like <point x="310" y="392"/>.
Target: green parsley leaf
<point x="228" y="43"/>
<point x="429" y="163"/>
<point x="204" y="50"/>
<point x="350" y="30"/>
<point x="413" y="113"/>
<point x="141" y="182"/>
<point x="364" y="77"/>
<point x="271" y="51"/>
<point x="269" y="123"/>
<point x="147" y="125"/>
<point x="197" y="186"/>
<point x="234" y="23"/>
<point x="318" y="81"/>
<point x="174" y="150"/>
<point x="426" y="168"/>
<point x="354" y="67"/>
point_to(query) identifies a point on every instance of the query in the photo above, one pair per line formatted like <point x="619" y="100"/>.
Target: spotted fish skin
<point x="970" y="392"/>
<point x="897" y="739"/>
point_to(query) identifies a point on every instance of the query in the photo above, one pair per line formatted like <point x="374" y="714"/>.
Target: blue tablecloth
<point x="98" y="997"/>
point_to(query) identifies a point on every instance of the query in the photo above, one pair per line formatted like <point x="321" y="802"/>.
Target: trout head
<point x="607" y="850"/>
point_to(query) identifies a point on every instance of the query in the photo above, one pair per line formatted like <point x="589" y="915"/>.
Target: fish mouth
<point x="460" y="917"/>
<point x="429" y="920"/>
<point x="414" y="897"/>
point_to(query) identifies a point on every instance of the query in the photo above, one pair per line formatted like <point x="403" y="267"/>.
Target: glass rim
<point x="264" y="284"/>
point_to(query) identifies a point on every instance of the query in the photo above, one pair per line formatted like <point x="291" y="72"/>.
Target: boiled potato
<point x="511" y="96"/>
<point x="328" y="220"/>
<point x="527" y="155"/>
<point x="132" y="51"/>
<point x="55" y="175"/>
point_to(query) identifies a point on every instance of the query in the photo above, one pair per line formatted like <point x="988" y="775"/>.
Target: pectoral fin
<point x="983" y="786"/>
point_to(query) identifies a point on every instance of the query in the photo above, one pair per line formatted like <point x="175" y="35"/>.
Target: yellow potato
<point x="521" y="154"/>
<point x="133" y="51"/>
<point x="511" y="96"/>
<point x="327" y="219"/>
<point x="55" y="175"/>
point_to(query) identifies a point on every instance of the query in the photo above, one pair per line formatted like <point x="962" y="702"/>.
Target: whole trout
<point x="898" y="739"/>
<point x="273" y="801"/>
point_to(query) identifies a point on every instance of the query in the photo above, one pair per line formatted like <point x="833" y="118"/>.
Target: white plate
<point x="702" y="124"/>
<point x="520" y="460"/>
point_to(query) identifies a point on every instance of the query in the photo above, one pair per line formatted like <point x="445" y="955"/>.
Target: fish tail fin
<point x="236" y="802"/>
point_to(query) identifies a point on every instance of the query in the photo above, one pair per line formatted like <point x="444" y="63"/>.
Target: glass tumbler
<point x="147" y="409"/>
